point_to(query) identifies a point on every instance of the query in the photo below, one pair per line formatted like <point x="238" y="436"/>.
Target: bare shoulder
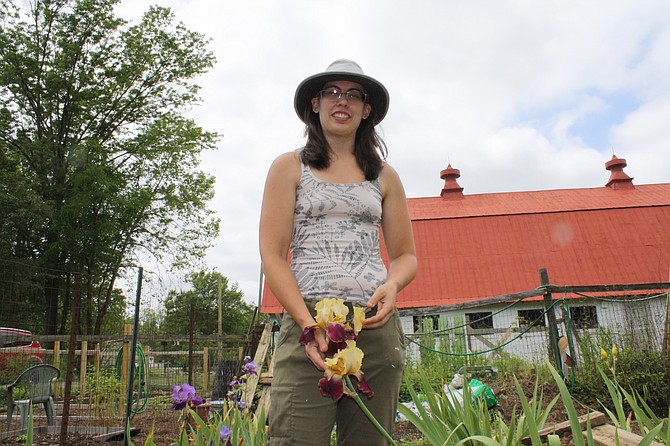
<point x="286" y="165"/>
<point x="390" y="180"/>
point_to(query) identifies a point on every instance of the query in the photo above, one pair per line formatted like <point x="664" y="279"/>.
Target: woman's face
<point x="341" y="106"/>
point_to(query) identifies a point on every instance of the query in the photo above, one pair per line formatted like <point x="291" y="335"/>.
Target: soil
<point x="165" y="424"/>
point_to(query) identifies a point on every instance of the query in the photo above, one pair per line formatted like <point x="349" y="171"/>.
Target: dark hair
<point x="369" y="148"/>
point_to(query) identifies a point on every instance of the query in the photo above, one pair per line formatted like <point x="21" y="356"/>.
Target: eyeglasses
<point x="353" y="96"/>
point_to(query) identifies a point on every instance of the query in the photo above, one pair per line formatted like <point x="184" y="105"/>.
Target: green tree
<point x="236" y="313"/>
<point x="150" y="321"/>
<point x="99" y="160"/>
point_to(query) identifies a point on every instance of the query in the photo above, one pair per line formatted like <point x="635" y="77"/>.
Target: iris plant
<point x="236" y="386"/>
<point x="235" y="425"/>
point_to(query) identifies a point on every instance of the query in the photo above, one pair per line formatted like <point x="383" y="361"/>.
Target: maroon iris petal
<point x="349" y="334"/>
<point x="307" y="335"/>
<point x="336" y="332"/>
<point x="334" y="347"/>
<point x="363" y="386"/>
<point x="333" y="388"/>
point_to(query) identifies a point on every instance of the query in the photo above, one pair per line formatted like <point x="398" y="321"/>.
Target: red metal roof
<point x="477" y="246"/>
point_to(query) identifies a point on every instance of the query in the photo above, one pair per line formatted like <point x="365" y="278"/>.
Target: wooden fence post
<point x="83" y="362"/>
<point x="57" y="383"/>
<point x="554" y="354"/>
<point x="205" y="368"/>
<point x="96" y="358"/>
<point x="147" y="355"/>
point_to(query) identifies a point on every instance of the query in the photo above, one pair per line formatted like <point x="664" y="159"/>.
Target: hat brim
<point x="378" y="96"/>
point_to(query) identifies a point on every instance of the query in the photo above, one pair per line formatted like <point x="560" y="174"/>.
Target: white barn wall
<point x="627" y="321"/>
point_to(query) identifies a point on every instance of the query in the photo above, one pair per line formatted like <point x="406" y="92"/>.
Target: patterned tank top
<point x="335" y="243"/>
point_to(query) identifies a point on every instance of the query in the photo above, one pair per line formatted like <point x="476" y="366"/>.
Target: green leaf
<point x="530" y="415"/>
<point x="553" y="440"/>
<point x="651" y="436"/>
<point x="617" y="400"/>
<point x="484" y="440"/>
<point x="569" y="407"/>
<point x="29" y="435"/>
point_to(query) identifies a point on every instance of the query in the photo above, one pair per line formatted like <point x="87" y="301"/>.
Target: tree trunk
<point x="51" y="294"/>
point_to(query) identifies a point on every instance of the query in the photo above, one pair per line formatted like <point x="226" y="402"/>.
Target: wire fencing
<point x="533" y="329"/>
<point x="91" y="393"/>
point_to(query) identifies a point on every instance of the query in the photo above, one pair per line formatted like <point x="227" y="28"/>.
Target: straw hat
<point x="343" y="69"/>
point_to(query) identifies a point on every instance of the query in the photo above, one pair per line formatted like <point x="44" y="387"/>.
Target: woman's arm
<point x="399" y="241"/>
<point x="275" y="230"/>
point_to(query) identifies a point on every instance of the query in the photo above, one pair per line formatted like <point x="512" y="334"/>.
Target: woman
<point x="325" y="203"/>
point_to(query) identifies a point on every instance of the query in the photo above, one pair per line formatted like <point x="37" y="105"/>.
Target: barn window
<point x="584" y="317"/>
<point x="419" y="324"/>
<point x="480" y="320"/>
<point x="533" y="317"/>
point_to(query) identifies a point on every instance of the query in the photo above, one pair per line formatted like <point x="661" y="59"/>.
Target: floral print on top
<point x="335" y="243"/>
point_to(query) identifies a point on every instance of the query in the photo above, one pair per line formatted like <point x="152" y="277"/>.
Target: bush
<point x="638" y="371"/>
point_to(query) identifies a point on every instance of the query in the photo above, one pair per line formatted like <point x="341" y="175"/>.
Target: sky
<point x="518" y="95"/>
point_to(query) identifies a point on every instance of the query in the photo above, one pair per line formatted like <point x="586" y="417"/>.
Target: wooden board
<point x="605" y="436"/>
<point x="596" y="419"/>
<point x="259" y="359"/>
<point x="266" y="381"/>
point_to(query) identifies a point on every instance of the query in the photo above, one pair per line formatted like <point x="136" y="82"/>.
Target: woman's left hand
<point x="384" y="299"/>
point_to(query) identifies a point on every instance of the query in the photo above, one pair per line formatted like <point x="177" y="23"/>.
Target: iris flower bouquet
<point x="343" y="357"/>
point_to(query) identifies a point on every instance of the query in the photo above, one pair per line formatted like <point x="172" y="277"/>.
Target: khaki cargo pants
<point x="300" y="415"/>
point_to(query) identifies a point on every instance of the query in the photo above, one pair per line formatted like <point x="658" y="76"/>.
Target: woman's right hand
<point x="316" y="349"/>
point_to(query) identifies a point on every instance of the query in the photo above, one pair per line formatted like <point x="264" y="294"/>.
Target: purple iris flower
<point x="225" y="434"/>
<point x="183" y="394"/>
<point x="250" y="367"/>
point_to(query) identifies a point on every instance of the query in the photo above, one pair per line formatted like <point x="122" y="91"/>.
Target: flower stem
<point x="367" y="412"/>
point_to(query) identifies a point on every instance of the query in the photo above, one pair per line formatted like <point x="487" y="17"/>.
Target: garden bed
<point x="164" y="422"/>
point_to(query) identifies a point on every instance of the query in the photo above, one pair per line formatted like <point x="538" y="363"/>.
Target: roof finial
<point x="618" y="178"/>
<point x="451" y="187"/>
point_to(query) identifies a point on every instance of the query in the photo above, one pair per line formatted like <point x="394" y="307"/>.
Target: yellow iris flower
<point x="330" y="311"/>
<point x="359" y="317"/>
<point x="347" y="361"/>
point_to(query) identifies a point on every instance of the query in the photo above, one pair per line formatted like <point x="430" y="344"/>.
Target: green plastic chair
<point x="37" y="381"/>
